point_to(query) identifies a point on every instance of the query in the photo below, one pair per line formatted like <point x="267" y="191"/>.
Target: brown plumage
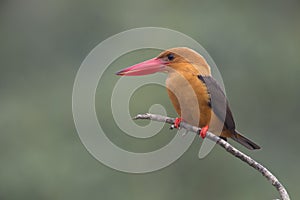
<point x="195" y="94"/>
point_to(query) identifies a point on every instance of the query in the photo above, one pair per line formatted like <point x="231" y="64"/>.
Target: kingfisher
<point x="196" y="96"/>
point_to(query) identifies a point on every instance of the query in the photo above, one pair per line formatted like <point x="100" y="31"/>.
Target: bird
<point x="196" y="96"/>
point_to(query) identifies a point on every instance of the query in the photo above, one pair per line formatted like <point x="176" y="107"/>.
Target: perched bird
<point x="195" y="94"/>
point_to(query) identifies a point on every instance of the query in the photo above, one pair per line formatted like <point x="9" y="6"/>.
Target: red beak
<point x="147" y="67"/>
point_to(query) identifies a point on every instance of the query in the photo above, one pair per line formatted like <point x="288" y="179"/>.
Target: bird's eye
<point x="170" y="56"/>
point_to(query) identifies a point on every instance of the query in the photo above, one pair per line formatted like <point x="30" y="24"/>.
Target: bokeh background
<point x="255" y="44"/>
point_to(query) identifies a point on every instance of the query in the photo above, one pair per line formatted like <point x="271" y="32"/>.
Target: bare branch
<point x="229" y="148"/>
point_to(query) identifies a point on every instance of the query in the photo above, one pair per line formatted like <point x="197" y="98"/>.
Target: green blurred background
<point x="255" y="44"/>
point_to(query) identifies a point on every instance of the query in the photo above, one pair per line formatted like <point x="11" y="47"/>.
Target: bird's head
<point x="180" y="59"/>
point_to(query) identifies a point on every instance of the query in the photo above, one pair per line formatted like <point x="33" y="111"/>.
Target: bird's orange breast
<point x="189" y="97"/>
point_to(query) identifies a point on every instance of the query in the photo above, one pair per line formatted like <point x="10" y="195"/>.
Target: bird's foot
<point x="204" y="131"/>
<point x="176" y="123"/>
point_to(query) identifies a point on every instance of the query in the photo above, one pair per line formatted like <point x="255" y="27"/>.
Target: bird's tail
<point x="244" y="141"/>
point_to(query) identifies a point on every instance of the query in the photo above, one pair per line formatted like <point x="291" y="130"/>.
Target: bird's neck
<point x="180" y="78"/>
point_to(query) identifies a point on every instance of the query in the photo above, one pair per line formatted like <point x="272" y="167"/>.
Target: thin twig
<point x="250" y="161"/>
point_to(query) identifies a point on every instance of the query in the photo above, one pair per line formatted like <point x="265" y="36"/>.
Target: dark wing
<point x="218" y="101"/>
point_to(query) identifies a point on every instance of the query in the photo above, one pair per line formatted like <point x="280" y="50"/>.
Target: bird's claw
<point x="177" y="122"/>
<point x="204" y="131"/>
